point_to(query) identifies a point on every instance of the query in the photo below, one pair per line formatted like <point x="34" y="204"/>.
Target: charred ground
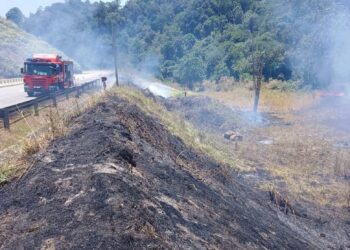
<point x="120" y="179"/>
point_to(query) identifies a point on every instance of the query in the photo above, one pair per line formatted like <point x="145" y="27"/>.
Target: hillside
<point x="122" y="178"/>
<point x="17" y="45"/>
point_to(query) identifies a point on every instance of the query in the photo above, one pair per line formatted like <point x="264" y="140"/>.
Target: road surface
<point x="12" y="95"/>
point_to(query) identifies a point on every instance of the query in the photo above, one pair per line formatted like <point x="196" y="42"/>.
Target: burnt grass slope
<point x="120" y="180"/>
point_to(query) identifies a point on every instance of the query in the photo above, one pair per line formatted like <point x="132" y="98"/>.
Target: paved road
<point x="12" y="95"/>
<point x="15" y="94"/>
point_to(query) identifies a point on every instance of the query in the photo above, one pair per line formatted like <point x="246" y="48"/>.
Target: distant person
<point x="104" y="82"/>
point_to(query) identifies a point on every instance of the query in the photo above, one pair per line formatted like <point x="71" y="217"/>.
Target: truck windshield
<point x="40" y="69"/>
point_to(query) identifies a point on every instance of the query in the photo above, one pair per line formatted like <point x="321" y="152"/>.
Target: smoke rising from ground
<point x="319" y="48"/>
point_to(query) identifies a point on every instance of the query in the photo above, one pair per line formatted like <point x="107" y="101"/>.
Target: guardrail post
<point x="6" y="119"/>
<point x="54" y="99"/>
<point x="36" y="109"/>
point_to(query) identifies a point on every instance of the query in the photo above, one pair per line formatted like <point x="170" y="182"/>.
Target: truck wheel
<point x="30" y="94"/>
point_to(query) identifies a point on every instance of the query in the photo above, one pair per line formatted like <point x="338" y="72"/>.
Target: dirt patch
<point x="120" y="180"/>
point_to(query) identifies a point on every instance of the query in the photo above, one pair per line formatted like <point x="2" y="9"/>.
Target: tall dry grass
<point x="32" y="134"/>
<point x="275" y="101"/>
<point x="303" y="156"/>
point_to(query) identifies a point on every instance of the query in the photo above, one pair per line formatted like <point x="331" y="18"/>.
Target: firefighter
<point x="104" y="80"/>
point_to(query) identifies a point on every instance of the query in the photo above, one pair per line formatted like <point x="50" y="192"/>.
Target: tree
<point x="15" y="15"/>
<point x="191" y="69"/>
<point x="263" y="51"/>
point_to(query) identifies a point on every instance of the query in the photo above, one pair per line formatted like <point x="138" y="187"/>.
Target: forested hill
<point x="191" y="40"/>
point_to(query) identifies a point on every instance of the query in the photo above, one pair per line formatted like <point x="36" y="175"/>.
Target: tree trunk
<point x="257" y="92"/>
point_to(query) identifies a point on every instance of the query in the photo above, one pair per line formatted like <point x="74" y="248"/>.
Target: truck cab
<point x="44" y="73"/>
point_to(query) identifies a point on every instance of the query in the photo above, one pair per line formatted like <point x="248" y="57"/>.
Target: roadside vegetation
<point x="32" y="134"/>
<point x="303" y="143"/>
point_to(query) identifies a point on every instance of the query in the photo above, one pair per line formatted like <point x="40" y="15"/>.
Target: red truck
<point x="44" y="73"/>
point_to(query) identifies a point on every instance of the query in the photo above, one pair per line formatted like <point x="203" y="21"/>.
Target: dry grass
<point x="302" y="155"/>
<point x="311" y="167"/>
<point x="32" y="134"/>
<point x="270" y="100"/>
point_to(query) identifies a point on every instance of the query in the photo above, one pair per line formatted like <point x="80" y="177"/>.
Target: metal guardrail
<point x="5" y="113"/>
<point x="10" y="82"/>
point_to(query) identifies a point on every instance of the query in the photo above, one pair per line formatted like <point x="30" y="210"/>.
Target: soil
<point x="120" y="180"/>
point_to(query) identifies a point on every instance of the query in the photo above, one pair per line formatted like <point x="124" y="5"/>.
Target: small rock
<point x="322" y="235"/>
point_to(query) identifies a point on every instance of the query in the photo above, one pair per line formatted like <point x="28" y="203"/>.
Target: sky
<point x="30" y="6"/>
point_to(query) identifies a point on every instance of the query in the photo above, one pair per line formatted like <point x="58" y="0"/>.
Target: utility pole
<point x="115" y="52"/>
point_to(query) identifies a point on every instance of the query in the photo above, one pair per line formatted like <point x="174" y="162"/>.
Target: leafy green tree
<point x="220" y="71"/>
<point x="263" y="51"/>
<point x="15" y="15"/>
<point x="263" y="39"/>
<point x="168" y="51"/>
<point x="191" y="69"/>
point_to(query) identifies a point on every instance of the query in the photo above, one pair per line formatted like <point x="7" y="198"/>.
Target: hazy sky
<point x="30" y="6"/>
